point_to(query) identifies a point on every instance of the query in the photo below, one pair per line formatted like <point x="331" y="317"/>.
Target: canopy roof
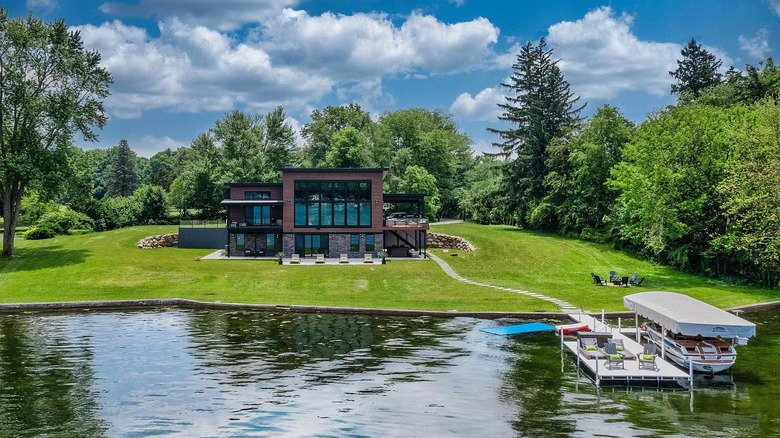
<point x="688" y="316"/>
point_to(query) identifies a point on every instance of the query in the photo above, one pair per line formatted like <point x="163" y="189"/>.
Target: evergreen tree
<point x="122" y="176"/>
<point x="696" y="72"/>
<point x="541" y="109"/>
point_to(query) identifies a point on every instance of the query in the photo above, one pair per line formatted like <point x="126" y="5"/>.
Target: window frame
<point x="336" y="193"/>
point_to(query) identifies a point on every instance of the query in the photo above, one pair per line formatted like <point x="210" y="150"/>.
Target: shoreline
<point x="65" y="306"/>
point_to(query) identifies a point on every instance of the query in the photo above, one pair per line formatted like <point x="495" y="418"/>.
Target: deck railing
<point x="210" y="223"/>
<point x="237" y="224"/>
<point x="406" y="222"/>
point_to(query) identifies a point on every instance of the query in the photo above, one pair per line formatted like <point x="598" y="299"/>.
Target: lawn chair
<point x="624" y="281"/>
<point x="639" y="283"/>
<point x="647" y="359"/>
<point x="612" y="276"/>
<point x="613" y="356"/>
<point x="367" y="258"/>
<point x="320" y="259"/>
<point x="599" y="281"/>
<point x="633" y="278"/>
<point x="295" y="260"/>
<point x="343" y="259"/>
<point x="589" y="347"/>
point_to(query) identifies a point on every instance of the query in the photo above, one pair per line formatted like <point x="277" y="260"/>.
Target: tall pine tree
<point x="696" y="72"/>
<point x="541" y="108"/>
<point x="122" y="176"/>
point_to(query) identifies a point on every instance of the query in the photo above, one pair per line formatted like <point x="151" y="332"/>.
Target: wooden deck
<point x="664" y="373"/>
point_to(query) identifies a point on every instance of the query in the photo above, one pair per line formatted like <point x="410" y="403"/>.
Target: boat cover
<point x="688" y="316"/>
<point x="520" y="329"/>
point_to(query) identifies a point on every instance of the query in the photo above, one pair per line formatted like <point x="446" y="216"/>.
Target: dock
<point x="665" y="372"/>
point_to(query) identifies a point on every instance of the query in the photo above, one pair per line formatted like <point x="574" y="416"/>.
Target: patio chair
<point x="639" y="283"/>
<point x="632" y="280"/>
<point x="295" y="260"/>
<point x="589" y="347"/>
<point x="343" y="259"/>
<point x="320" y="259"/>
<point x="612" y="276"/>
<point x="647" y="358"/>
<point x="624" y="281"/>
<point x="613" y="356"/>
<point x="368" y="258"/>
<point x="598" y="280"/>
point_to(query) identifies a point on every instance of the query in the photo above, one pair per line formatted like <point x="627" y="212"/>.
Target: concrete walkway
<point x="563" y="305"/>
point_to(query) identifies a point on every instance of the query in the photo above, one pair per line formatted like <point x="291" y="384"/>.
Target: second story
<point x="254" y="205"/>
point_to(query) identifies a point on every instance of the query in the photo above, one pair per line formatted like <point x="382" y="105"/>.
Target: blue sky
<point x="179" y="65"/>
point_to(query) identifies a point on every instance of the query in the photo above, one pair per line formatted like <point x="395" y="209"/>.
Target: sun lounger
<point x="296" y="259"/>
<point x="647" y="358"/>
<point x="613" y="356"/>
<point x="343" y="259"/>
<point x="367" y="258"/>
<point x="589" y="348"/>
<point x="627" y="355"/>
<point x="320" y="259"/>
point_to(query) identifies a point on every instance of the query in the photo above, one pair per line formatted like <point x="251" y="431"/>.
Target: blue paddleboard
<point x="520" y="329"/>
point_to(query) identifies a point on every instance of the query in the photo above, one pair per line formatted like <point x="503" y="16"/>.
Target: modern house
<point x="323" y="211"/>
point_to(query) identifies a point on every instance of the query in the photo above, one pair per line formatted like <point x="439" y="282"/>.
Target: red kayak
<point x="572" y="328"/>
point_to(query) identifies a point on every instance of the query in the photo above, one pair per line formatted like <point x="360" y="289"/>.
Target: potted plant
<point x="279" y="257"/>
<point x="383" y="254"/>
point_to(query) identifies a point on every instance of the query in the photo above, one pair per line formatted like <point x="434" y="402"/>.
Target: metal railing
<point x="406" y="222"/>
<point x="210" y="223"/>
<point x="237" y="224"/>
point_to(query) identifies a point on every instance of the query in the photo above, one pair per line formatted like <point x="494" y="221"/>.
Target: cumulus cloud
<point x="481" y="107"/>
<point x="192" y="68"/>
<point x="774" y="5"/>
<point x="601" y="57"/>
<point x="223" y="15"/>
<point x="757" y="46"/>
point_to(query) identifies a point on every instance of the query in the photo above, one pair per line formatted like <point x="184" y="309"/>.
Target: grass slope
<point x="108" y="266"/>
<point x="561" y="267"/>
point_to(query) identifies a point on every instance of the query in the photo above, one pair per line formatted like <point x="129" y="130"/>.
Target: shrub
<point x="65" y="219"/>
<point x="120" y="212"/>
<point x="39" y="232"/>
<point x="153" y="204"/>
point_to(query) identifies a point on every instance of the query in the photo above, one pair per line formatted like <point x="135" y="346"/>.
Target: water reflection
<point x="206" y="373"/>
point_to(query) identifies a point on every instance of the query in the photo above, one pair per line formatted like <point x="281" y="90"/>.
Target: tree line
<point x="695" y="185"/>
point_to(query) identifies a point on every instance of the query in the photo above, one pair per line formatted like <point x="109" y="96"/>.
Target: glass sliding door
<point x="309" y="245"/>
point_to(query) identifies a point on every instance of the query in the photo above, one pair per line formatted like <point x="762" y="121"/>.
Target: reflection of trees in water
<point x="46" y="381"/>
<point x="535" y="384"/>
<point x="253" y="346"/>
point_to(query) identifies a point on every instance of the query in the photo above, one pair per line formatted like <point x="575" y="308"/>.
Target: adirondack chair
<point x="633" y="278"/>
<point x="647" y="358"/>
<point x="613" y="356"/>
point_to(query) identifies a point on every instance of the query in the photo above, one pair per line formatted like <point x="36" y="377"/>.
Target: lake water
<point x="224" y="373"/>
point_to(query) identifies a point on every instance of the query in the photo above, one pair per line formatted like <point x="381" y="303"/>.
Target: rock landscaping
<point x="437" y="240"/>
<point x="159" y="241"/>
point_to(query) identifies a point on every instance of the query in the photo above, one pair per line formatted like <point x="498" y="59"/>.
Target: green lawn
<point x="108" y="266"/>
<point x="561" y="267"/>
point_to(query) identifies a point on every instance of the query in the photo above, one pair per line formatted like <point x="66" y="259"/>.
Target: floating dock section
<point x="665" y="373"/>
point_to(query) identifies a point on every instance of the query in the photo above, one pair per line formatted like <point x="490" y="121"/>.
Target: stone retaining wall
<point x="437" y="240"/>
<point x="159" y="241"/>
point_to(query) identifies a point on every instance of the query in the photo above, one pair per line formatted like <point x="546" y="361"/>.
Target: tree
<point x="122" y="176"/>
<point x="159" y="171"/>
<point x="278" y="143"/>
<point x="153" y="203"/>
<point x="418" y="180"/>
<point x="50" y="89"/>
<point x="541" y="108"/>
<point x="349" y="148"/>
<point x="325" y="124"/>
<point x="696" y="72"/>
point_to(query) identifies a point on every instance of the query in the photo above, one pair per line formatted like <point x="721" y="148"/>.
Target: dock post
<point x="618" y="324"/>
<point x="636" y="326"/>
<point x="663" y="343"/>
<point x="579" y="315"/>
<point x="602" y="316"/>
<point x="690" y="370"/>
<point x="597" y="372"/>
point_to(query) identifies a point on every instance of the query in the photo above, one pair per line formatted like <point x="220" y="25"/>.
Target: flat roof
<point x="252" y="202"/>
<point x="404" y="197"/>
<point x="333" y="169"/>
<point x="254" y="184"/>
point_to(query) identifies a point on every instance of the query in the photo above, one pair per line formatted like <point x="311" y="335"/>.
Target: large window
<point x="240" y="242"/>
<point x="257" y="195"/>
<point x="332" y="203"/>
<point x="309" y="245"/>
<point x="270" y="242"/>
<point x="369" y="243"/>
<point x="258" y="215"/>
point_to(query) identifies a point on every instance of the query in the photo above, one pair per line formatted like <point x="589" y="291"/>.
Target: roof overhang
<point x="254" y="184"/>
<point x="688" y="316"/>
<point x="252" y="202"/>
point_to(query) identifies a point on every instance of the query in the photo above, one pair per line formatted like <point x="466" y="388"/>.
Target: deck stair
<point x="665" y="372"/>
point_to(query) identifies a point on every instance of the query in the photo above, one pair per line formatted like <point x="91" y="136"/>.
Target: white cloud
<point x="42" y="4"/>
<point x="360" y="47"/>
<point x="774" y="5"/>
<point x="222" y="15"/>
<point x="193" y="69"/>
<point x="757" y="46"/>
<point x="601" y="57"/>
<point x="482" y="107"/>
<point x="149" y="145"/>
